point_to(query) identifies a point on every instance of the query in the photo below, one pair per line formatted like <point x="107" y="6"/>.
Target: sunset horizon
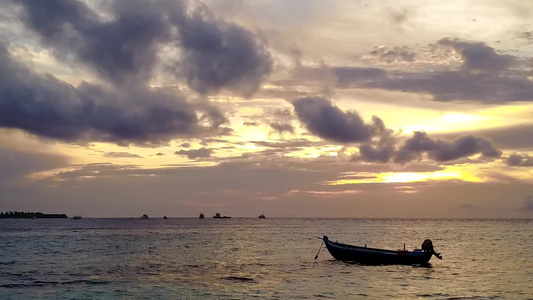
<point x="291" y="109"/>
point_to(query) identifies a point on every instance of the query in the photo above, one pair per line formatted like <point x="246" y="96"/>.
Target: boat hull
<point x="373" y="256"/>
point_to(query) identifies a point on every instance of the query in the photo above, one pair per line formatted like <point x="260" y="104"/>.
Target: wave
<point x="40" y="283"/>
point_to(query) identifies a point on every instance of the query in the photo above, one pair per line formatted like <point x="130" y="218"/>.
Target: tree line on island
<point x="28" y="215"/>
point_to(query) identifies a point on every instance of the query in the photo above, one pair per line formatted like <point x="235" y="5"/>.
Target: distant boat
<point x="218" y="216"/>
<point x="165" y="217"/>
<point x="201" y="216"/>
<point x="144" y="217"/>
<point x="372" y="256"/>
<point x="76" y="217"/>
<point x="261" y="216"/>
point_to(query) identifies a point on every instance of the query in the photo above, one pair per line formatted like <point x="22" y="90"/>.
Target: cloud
<point x="291" y="145"/>
<point x="441" y="151"/>
<point x="196" y="153"/>
<point x="45" y="106"/>
<point x="121" y="49"/>
<point x="387" y="148"/>
<point x="122" y="155"/>
<point x="219" y="55"/>
<point x="381" y="154"/>
<point x="520" y="160"/>
<point x="15" y="164"/>
<point x="447" y="86"/>
<point x="484" y="75"/>
<point x="329" y="122"/>
<point x="346" y="75"/>
<point x="282" y="127"/>
<point x="395" y="55"/>
<point x="527" y="35"/>
<point x="509" y="137"/>
<point x="477" y="56"/>
<point x="379" y="144"/>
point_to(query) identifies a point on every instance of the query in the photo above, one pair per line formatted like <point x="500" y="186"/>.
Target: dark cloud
<point x="378" y="144"/>
<point x="510" y="137"/>
<point x="213" y="114"/>
<point x="441" y="151"/>
<point x="121" y="49"/>
<point x="381" y="154"/>
<point x="281" y="127"/>
<point x="477" y="56"/>
<point x="520" y="160"/>
<point x="484" y="76"/>
<point x="196" y="153"/>
<point x="386" y="148"/>
<point x="451" y="86"/>
<point x="219" y="55"/>
<point x="444" y="86"/>
<point x="45" y="106"/>
<point x="381" y="149"/>
<point x="250" y="124"/>
<point x="329" y="122"/>
<point x="122" y="155"/>
<point x="185" y="145"/>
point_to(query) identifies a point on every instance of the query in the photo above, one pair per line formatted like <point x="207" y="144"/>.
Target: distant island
<point x="29" y="215"/>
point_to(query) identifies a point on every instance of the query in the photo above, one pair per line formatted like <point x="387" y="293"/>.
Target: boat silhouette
<point x="218" y="216"/>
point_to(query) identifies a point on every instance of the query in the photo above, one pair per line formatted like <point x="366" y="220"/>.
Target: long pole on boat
<point x="316" y="256"/>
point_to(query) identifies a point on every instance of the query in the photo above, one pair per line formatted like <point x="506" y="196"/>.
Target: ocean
<point x="248" y="258"/>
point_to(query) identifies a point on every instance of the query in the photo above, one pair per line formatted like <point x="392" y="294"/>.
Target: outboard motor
<point x="427" y="246"/>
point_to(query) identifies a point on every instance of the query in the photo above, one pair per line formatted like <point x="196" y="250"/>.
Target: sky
<point x="349" y="109"/>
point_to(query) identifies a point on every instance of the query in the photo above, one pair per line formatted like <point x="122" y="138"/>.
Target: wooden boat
<point x="261" y="217"/>
<point x="372" y="256"/>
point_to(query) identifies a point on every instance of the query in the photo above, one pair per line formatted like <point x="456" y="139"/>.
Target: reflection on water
<point x="271" y="258"/>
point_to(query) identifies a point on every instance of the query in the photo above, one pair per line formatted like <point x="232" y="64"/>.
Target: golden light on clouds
<point x="449" y="122"/>
<point x="449" y="173"/>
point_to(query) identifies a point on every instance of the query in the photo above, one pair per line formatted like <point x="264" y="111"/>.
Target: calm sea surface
<point x="272" y="258"/>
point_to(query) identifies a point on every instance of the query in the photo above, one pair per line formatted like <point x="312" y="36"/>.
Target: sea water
<point x="247" y="258"/>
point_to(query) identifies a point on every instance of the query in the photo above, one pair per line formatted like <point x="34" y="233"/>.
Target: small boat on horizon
<point x="144" y="216"/>
<point x="218" y="216"/>
<point x="201" y="215"/>
<point x="372" y="256"/>
<point x="261" y="216"/>
<point x="76" y="217"/>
